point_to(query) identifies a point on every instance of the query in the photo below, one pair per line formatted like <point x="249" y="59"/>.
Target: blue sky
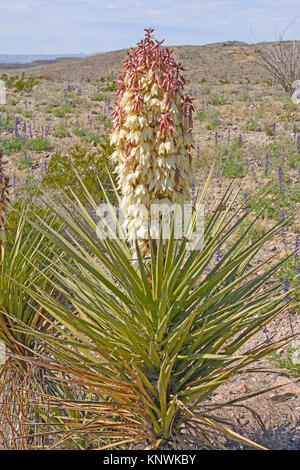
<point x="68" y="26"/>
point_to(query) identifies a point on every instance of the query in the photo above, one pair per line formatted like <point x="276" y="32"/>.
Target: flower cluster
<point x="4" y="200"/>
<point x="152" y="125"/>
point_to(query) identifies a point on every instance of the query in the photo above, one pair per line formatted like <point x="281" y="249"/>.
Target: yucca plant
<point x="150" y="341"/>
<point x="149" y="330"/>
<point x="4" y="201"/>
<point x="23" y="260"/>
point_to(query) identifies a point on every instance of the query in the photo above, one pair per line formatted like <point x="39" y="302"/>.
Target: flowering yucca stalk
<point x="152" y="133"/>
<point x="4" y="200"/>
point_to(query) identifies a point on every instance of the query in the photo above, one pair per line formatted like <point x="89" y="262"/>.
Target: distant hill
<point x="25" y="58"/>
<point x="230" y="61"/>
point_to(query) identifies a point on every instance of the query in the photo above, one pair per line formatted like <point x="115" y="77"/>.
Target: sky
<point x="90" y="26"/>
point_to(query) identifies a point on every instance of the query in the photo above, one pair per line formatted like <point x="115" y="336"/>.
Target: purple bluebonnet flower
<point x="296" y="254"/>
<point x="219" y="255"/>
<point x="98" y="129"/>
<point x="216" y="137"/>
<point x="192" y="186"/>
<point x="267" y="163"/>
<point x="207" y="104"/>
<point x="16" y="127"/>
<point x="240" y="140"/>
<point x="245" y="199"/>
<point x="266" y="331"/>
<point x="274" y="130"/>
<point x="280" y="178"/>
<point x="295" y="131"/>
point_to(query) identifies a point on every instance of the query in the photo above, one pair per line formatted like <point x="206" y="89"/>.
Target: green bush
<point x="253" y="126"/>
<point x="88" y="165"/>
<point x="61" y="131"/>
<point x="63" y="110"/>
<point x="19" y="83"/>
<point x="201" y="115"/>
<point x="217" y="100"/>
<point x="98" y="97"/>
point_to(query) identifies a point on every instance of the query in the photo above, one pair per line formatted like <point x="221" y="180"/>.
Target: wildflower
<point x="267" y="163"/>
<point x="280" y="178"/>
<point x="152" y="125"/>
<point x="266" y="331"/>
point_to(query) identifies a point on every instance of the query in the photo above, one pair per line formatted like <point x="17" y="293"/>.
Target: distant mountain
<point x="25" y="58"/>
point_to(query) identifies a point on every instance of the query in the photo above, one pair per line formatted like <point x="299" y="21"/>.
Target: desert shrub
<point x="201" y="115"/>
<point x="61" y="131"/>
<point x="268" y="128"/>
<point x="253" y="126"/>
<point x="63" y="110"/>
<point x="289" y="360"/>
<point x="111" y="86"/>
<point x="98" y="97"/>
<point x="233" y="167"/>
<point x="80" y="131"/>
<point x="39" y="144"/>
<point x="28" y="114"/>
<point x="88" y="164"/>
<point x="218" y="100"/>
<point x="20" y="83"/>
